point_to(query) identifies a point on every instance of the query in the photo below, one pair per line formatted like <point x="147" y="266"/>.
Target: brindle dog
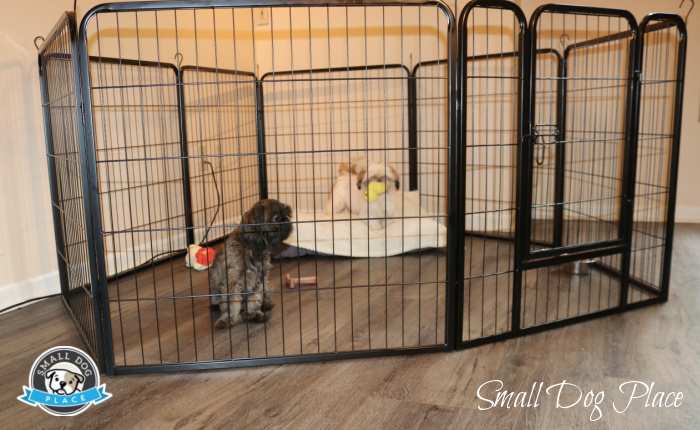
<point x="239" y="276"/>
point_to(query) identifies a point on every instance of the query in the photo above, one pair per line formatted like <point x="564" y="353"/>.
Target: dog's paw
<point x="226" y="321"/>
<point x="221" y="324"/>
<point x="255" y="316"/>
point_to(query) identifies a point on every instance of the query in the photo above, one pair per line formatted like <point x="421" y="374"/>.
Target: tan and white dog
<point x="345" y="197"/>
<point x="364" y="189"/>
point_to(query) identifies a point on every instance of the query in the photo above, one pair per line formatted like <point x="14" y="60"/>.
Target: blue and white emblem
<point x="64" y="381"/>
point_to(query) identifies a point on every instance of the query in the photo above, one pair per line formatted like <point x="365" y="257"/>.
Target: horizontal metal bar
<point x="336" y="70"/>
<point x="217" y="70"/>
<point x="118" y="61"/>
<point x="560" y="323"/>
<point x="567" y="254"/>
<point x="273" y="361"/>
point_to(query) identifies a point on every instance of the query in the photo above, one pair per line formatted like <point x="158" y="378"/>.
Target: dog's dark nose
<point x="63" y="384"/>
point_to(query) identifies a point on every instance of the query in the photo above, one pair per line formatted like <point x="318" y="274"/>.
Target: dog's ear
<point x="50" y="374"/>
<point x="249" y="230"/>
<point x="361" y="173"/>
<point x="79" y="377"/>
<point x="344" y="168"/>
<point x="395" y="177"/>
<point x="286" y="210"/>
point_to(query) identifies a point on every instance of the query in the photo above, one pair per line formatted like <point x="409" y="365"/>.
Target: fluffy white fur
<point x="345" y="196"/>
<point x="351" y="185"/>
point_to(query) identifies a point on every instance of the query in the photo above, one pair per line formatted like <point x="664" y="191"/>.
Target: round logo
<point x="64" y="381"/>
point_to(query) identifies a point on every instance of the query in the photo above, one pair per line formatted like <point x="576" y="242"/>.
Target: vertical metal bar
<point x="454" y="299"/>
<point x="184" y="157"/>
<point x="560" y="154"/>
<point x="675" y="152"/>
<point x="629" y="173"/>
<point x="260" y="128"/>
<point x="91" y="198"/>
<point x="412" y="91"/>
<point x="527" y="47"/>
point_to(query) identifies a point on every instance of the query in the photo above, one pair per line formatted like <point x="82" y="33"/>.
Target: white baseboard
<point x="688" y="214"/>
<point x="39" y="286"/>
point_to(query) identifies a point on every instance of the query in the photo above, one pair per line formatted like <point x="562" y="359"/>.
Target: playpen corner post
<point x="260" y="130"/>
<point x="527" y="46"/>
<point x="630" y="160"/>
<point x="91" y="196"/>
<point x="184" y="156"/>
<point x="412" y="94"/>
<point x="455" y="201"/>
<point x="560" y="154"/>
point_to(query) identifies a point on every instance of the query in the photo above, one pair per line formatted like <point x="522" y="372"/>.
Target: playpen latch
<point x="539" y="146"/>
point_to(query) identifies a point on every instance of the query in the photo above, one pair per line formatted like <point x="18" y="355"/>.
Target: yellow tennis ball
<point x="374" y="190"/>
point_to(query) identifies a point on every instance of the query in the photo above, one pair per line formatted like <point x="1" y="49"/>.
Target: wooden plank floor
<point x="656" y="344"/>
<point x="163" y="314"/>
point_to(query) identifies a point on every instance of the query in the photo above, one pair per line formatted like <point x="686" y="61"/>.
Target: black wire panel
<point x="491" y="50"/>
<point x="137" y="152"/>
<point x="220" y="112"/>
<point x="317" y="119"/>
<point x="663" y="57"/>
<point x="484" y="98"/>
<point x="57" y="64"/>
<point x="579" y="144"/>
<point x="564" y="291"/>
<point x="263" y="102"/>
<point x="594" y="135"/>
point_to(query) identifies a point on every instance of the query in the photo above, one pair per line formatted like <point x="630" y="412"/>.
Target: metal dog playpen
<point x="543" y="154"/>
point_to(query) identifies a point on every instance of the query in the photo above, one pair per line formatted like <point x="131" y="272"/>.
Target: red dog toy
<point x="200" y="257"/>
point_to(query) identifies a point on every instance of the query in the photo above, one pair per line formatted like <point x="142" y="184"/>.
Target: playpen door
<point x="578" y="172"/>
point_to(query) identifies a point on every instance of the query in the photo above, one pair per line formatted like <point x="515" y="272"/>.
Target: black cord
<point x="26" y="302"/>
<point x="150" y="260"/>
<point x="218" y="203"/>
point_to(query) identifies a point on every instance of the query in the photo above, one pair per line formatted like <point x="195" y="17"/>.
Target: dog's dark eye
<point x="280" y="218"/>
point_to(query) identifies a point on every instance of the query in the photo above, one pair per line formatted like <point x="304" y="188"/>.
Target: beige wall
<point x="27" y="254"/>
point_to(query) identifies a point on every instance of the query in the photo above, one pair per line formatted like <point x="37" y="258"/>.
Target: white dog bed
<point x="319" y="233"/>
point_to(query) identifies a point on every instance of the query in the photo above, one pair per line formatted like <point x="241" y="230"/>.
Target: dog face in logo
<point x="64" y="379"/>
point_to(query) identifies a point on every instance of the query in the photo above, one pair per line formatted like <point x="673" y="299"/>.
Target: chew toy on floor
<point x="374" y="190"/>
<point x="294" y="283"/>
<point x="199" y="258"/>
